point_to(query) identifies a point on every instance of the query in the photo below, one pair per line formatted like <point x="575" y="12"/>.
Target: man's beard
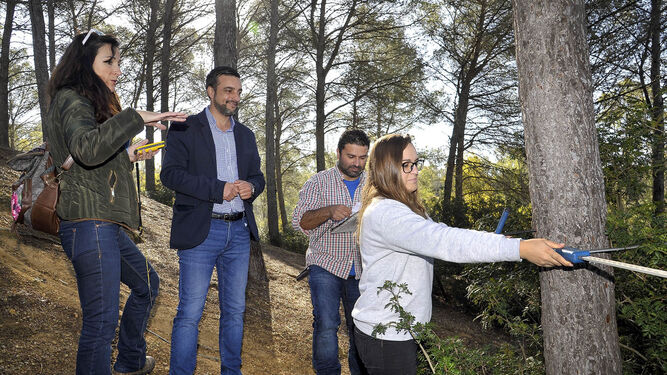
<point x="224" y="110"/>
<point x="350" y="170"/>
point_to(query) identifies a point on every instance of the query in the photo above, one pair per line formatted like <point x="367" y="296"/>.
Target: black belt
<point x="228" y="217"/>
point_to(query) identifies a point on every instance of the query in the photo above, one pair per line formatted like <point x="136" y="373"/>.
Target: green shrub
<point x="162" y="194"/>
<point x="640" y="299"/>
<point x="294" y="241"/>
<point x="450" y="355"/>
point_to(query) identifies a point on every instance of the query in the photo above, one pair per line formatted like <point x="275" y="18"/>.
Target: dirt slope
<point x="40" y="317"/>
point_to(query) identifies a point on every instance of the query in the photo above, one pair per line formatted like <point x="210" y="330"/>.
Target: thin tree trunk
<point x="75" y="22"/>
<point x="225" y="52"/>
<point x="459" y="204"/>
<point x="455" y="162"/>
<point x="320" y="94"/>
<point x="280" y="190"/>
<point x="50" y="6"/>
<point x="271" y="98"/>
<point x="39" y="52"/>
<point x="224" y="44"/>
<point x="657" y="112"/>
<point x="165" y="61"/>
<point x="449" y="177"/>
<point x="566" y="184"/>
<point x="279" y="172"/>
<point x="460" y="120"/>
<point x="149" y="58"/>
<point x="4" y="73"/>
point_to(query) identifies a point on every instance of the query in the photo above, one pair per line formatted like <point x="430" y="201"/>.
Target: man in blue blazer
<point x="212" y="163"/>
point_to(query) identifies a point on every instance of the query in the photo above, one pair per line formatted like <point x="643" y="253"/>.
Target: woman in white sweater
<point x="398" y="243"/>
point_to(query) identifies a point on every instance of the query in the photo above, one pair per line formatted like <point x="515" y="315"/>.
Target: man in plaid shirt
<point x="333" y="259"/>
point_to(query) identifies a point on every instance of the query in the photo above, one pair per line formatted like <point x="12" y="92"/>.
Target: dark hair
<point x="75" y="71"/>
<point x="353" y="136"/>
<point x="212" y="76"/>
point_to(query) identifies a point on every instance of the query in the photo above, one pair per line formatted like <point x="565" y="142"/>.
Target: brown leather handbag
<point x="37" y="191"/>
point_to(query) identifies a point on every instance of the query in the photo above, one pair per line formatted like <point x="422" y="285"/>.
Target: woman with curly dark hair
<point x="98" y="201"/>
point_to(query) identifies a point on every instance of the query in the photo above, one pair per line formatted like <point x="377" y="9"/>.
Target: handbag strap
<point x="67" y="164"/>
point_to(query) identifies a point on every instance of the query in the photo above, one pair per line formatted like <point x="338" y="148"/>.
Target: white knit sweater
<point x="399" y="245"/>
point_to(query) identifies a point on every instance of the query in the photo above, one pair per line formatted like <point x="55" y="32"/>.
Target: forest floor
<point x="40" y="316"/>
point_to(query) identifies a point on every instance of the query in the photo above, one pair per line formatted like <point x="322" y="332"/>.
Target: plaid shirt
<point x="333" y="252"/>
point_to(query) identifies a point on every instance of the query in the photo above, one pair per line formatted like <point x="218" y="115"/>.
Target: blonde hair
<point x="384" y="177"/>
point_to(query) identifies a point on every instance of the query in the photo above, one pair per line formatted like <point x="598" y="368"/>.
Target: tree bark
<point x="224" y="44"/>
<point x="280" y="190"/>
<point x="460" y="120"/>
<point x="459" y="204"/>
<point x="4" y="73"/>
<point x="50" y="6"/>
<point x="566" y="183"/>
<point x="271" y="98"/>
<point x="449" y="178"/>
<point x="471" y="51"/>
<point x="279" y="171"/>
<point x="39" y="53"/>
<point x="225" y="53"/>
<point x="657" y="111"/>
<point x="165" y="61"/>
<point x="320" y="92"/>
<point x="325" y="42"/>
<point x="256" y="266"/>
<point x="149" y="58"/>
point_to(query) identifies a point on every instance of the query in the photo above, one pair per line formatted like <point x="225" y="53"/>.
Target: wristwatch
<point x="252" y="189"/>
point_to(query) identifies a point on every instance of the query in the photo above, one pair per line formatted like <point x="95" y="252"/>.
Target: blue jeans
<point x="326" y="292"/>
<point x="104" y="256"/>
<point x="227" y="247"/>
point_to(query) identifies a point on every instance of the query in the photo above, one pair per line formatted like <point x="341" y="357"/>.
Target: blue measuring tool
<point x="571" y="254"/>
<point x="574" y="255"/>
<point x="503" y="219"/>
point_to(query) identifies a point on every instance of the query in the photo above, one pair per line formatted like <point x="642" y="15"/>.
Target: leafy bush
<point x="162" y="194"/>
<point x="641" y="299"/>
<point x="450" y="355"/>
<point x="294" y="241"/>
<point x="508" y="296"/>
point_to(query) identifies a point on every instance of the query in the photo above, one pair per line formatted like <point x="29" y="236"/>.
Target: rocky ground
<point x="40" y="317"/>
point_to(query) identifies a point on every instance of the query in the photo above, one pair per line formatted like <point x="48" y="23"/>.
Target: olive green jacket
<point x="99" y="185"/>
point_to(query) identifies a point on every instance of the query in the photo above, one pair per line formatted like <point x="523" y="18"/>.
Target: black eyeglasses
<point x="89" y="33"/>
<point x="408" y="165"/>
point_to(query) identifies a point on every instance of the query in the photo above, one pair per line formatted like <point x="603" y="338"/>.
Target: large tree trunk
<point x="4" y="73"/>
<point x="657" y="111"/>
<point x="149" y="60"/>
<point x="271" y="98"/>
<point x="39" y="52"/>
<point x="566" y="184"/>
<point x="256" y="267"/>
<point x="224" y="45"/>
